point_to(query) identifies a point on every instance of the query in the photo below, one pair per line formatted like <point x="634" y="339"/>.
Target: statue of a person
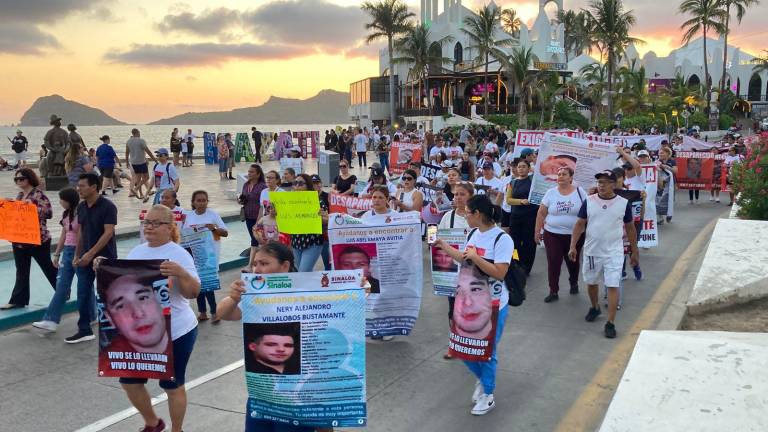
<point x="57" y="143"/>
<point x="74" y="137"/>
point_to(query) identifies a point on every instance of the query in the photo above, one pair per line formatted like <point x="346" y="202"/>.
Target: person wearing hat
<point x="529" y="155"/>
<point x="106" y="158"/>
<point x="165" y="175"/>
<point x="19" y="145"/>
<point x="604" y="217"/>
<point x="56" y="142"/>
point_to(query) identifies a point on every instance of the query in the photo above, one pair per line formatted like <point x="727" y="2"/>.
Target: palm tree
<point x="706" y="15"/>
<point x="414" y="49"/>
<point x="741" y="8"/>
<point x="577" y="37"/>
<point x="547" y="88"/>
<point x="519" y="66"/>
<point x="511" y="23"/>
<point x="596" y="74"/>
<point x="610" y="26"/>
<point x="481" y="31"/>
<point x="389" y="19"/>
<point x="634" y="92"/>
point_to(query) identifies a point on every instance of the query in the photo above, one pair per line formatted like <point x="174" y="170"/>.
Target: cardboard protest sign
<point x="649" y="235"/>
<point x="134" y="313"/>
<point x="19" y="222"/>
<point x="445" y="271"/>
<point x="388" y="250"/>
<point x="475" y="312"/>
<point x="297" y="212"/>
<point x="401" y="153"/>
<point x="199" y="242"/>
<point x="348" y="204"/>
<point x="304" y="348"/>
<point x="586" y="158"/>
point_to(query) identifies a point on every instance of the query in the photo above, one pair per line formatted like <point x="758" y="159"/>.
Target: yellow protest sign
<point x="19" y="222"/>
<point x="297" y="212"/>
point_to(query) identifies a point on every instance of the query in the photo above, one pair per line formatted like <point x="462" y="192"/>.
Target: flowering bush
<point x="750" y="180"/>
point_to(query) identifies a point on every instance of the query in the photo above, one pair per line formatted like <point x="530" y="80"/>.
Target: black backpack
<point x="514" y="279"/>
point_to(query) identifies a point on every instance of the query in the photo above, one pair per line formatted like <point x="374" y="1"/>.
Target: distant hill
<point x="328" y="106"/>
<point x="40" y="112"/>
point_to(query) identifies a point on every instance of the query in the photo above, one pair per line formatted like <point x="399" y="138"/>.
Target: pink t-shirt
<point x="70" y="237"/>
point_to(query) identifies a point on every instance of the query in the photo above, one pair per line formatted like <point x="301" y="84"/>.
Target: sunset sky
<point x="142" y="60"/>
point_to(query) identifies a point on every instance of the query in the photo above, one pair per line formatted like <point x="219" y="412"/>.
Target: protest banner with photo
<point x="19" y="222"/>
<point x="388" y="250"/>
<point x="209" y="145"/>
<point x="199" y="242"/>
<point x="134" y="314"/>
<point x="586" y="158"/>
<point x="475" y="312"/>
<point x="635" y="199"/>
<point x="401" y="153"/>
<point x="297" y="212"/>
<point x="348" y="204"/>
<point x="297" y="164"/>
<point x="649" y="235"/>
<point x="695" y="170"/>
<point x="692" y="144"/>
<point x="429" y="171"/>
<point x="532" y="138"/>
<point x="178" y="217"/>
<point x="243" y="148"/>
<point x="652" y="142"/>
<point x="304" y="348"/>
<point x="445" y="271"/>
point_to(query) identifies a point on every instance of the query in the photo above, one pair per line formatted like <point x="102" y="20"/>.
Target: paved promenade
<point x="548" y="377"/>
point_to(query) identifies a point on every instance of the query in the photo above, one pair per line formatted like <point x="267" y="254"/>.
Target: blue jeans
<point x="486" y="371"/>
<point x="204" y="296"/>
<point x="306" y="258"/>
<point x="86" y="298"/>
<point x="326" y="255"/>
<point x="63" y="285"/>
<point x="182" y="350"/>
<point x="384" y="162"/>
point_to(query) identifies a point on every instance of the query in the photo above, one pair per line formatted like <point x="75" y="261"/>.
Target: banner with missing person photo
<point x="199" y="242"/>
<point x="304" y="348"/>
<point x="649" y="234"/>
<point x="445" y="271"/>
<point x="388" y="250"/>
<point x="585" y="158"/>
<point x="475" y="313"/>
<point x="134" y="314"/>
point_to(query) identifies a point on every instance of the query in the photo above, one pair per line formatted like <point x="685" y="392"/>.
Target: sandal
<point x="202" y="317"/>
<point x="448" y="356"/>
<point x="9" y="306"/>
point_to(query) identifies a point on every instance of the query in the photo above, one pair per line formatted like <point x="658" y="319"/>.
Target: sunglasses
<point x="343" y="166"/>
<point x="18" y="179"/>
<point x="407" y="178"/>
<point x="299" y="183"/>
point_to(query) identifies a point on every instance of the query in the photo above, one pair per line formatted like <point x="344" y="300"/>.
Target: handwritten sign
<point x="297" y="212"/>
<point x="19" y="222"/>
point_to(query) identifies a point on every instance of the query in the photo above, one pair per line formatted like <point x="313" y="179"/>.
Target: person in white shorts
<point x="604" y="216"/>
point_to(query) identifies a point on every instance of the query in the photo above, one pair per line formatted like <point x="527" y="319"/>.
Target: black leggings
<point x="362" y="159"/>
<point x="692" y="192"/>
<point x="522" y="230"/>
<point x="23" y="258"/>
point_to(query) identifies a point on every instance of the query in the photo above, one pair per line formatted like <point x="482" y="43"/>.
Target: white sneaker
<point x="484" y="404"/>
<point x="45" y="325"/>
<point x="478" y="391"/>
<point x="387" y="338"/>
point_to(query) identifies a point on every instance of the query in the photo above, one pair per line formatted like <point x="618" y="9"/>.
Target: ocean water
<point x="156" y="135"/>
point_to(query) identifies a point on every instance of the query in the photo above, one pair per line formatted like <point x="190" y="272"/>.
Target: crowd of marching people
<point x="468" y="178"/>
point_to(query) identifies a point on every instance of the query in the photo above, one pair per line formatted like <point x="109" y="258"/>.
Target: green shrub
<point x="698" y="118"/>
<point x="508" y="120"/>
<point x="750" y="180"/>
<point x="726" y="121"/>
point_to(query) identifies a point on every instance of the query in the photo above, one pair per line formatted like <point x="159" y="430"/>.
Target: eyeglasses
<point x="299" y="183"/>
<point x="343" y="166"/>
<point x="155" y="223"/>
<point x="18" y="179"/>
<point x="407" y="178"/>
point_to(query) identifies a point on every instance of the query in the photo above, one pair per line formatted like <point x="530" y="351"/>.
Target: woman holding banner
<point x="379" y="202"/>
<point x="556" y="217"/>
<point x="307" y="247"/>
<point x="490" y="251"/>
<point x="272" y="257"/>
<point x="162" y="236"/>
<point x="27" y="181"/>
<point x="522" y="220"/>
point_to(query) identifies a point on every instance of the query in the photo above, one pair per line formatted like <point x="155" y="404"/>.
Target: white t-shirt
<point x="458" y="221"/>
<point x="636" y="183"/>
<point x="495" y="184"/>
<point x="730" y="160"/>
<point x="183" y="319"/>
<point x="562" y="211"/>
<point x="209" y="217"/>
<point x="163" y="171"/>
<point x="492" y="147"/>
<point x="456" y="151"/>
<point x="605" y="225"/>
<point x="501" y="252"/>
<point x="505" y="181"/>
<point x="264" y="197"/>
<point x="435" y="150"/>
<point x="369" y="214"/>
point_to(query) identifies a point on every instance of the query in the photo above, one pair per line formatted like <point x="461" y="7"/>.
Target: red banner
<point x="349" y="204"/>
